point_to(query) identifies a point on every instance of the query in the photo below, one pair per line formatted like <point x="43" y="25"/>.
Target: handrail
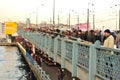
<point x="97" y="60"/>
<point x="37" y="68"/>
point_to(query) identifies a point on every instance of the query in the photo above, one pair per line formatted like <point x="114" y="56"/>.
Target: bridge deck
<point x="52" y="71"/>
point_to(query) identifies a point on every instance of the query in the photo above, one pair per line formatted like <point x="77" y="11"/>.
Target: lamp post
<point x="50" y="22"/>
<point x="77" y="19"/>
<point x="53" y="14"/>
<point x="93" y="17"/>
<point x="69" y="20"/>
<point x="59" y="19"/>
<point x="88" y="17"/>
<point x="116" y="16"/>
<point x="88" y="14"/>
<point x="78" y="22"/>
<point x="37" y="15"/>
<point x="119" y="16"/>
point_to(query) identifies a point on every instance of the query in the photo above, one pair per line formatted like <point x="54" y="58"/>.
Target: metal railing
<point x="38" y="70"/>
<point x="97" y="60"/>
<point x="41" y="72"/>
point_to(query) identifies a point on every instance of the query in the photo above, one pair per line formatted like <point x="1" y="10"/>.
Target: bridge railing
<point x="41" y="72"/>
<point x="83" y="55"/>
<point x="33" y="37"/>
<point x="108" y="63"/>
<point x="98" y="61"/>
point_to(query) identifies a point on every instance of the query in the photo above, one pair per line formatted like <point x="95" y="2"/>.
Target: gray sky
<point x="19" y="10"/>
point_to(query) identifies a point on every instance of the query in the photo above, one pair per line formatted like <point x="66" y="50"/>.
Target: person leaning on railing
<point x="109" y="39"/>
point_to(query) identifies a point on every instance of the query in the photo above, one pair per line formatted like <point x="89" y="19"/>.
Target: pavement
<point x="52" y="72"/>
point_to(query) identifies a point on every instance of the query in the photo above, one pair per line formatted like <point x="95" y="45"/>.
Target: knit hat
<point x="107" y="31"/>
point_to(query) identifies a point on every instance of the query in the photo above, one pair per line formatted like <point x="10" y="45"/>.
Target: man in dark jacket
<point x="91" y="36"/>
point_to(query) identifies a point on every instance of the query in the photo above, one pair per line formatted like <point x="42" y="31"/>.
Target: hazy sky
<point x="19" y="10"/>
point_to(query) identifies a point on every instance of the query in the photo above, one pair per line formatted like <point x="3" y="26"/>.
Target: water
<point x="12" y="65"/>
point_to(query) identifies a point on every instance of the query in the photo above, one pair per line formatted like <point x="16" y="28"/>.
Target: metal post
<point x="37" y="17"/>
<point x="115" y="16"/>
<point x="49" y="46"/>
<point x="56" y="48"/>
<point x="67" y="23"/>
<point x="50" y="23"/>
<point x="78" y="20"/>
<point x="93" y="17"/>
<point x="69" y="20"/>
<point x="93" y="21"/>
<point x="119" y="16"/>
<point x="92" y="63"/>
<point x="58" y="20"/>
<point x="63" y="54"/>
<point x="92" y="60"/>
<point x="53" y="14"/>
<point x="74" y="59"/>
<point x="88" y="18"/>
<point x="116" y="20"/>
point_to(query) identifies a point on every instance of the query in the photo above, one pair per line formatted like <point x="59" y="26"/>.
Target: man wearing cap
<point x="109" y="39"/>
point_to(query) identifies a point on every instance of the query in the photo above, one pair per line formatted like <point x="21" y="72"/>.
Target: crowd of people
<point x="39" y="56"/>
<point x="107" y="38"/>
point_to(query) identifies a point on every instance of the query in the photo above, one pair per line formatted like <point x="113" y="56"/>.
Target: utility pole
<point x="78" y="21"/>
<point x="119" y="16"/>
<point x="50" y="22"/>
<point x="58" y="20"/>
<point x="36" y="17"/>
<point x="88" y="18"/>
<point x="93" y="21"/>
<point x="115" y="16"/>
<point x="93" y="17"/>
<point x="53" y="14"/>
<point x="69" y="20"/>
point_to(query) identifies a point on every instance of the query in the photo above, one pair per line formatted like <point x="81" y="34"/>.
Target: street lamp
<point x="93" y="17"/>
<point x="50" y="22"/>
<point x="37" y="15"/>
<point x="77" y="19"/>
<point x="53" y="14"/>
<point x="69" y="18"/>
<point x="58" y="19"/>
<point x="88" y="17"/>
<point x="88" y="14"/>
<point x="119" y="16"/>
<point x="116" y="16"/>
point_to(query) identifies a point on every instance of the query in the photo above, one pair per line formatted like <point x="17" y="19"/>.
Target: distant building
<point x="82" y="26"/>
<point x="2" y="30"/>
<point x="28" y="23"/>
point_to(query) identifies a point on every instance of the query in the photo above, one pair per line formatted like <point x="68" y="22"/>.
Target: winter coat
<point x="109" y="42"/>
